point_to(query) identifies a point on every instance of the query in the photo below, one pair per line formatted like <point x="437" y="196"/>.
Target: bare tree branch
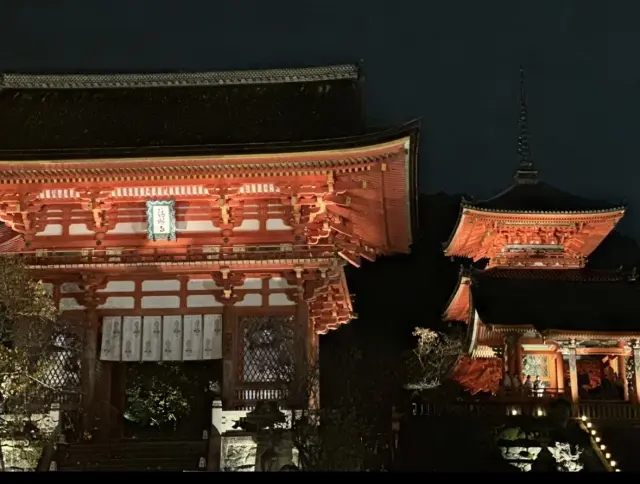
<point x="433" y="359"/>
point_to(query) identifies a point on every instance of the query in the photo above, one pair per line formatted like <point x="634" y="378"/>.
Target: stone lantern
<point x="264" y="421"/>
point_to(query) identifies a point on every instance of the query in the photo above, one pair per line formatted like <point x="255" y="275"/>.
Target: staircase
<point x="132" y="455"/>
<point x="621" y="442"/>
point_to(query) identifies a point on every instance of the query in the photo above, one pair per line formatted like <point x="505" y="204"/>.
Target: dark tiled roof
<point x="579" y="300"/>
<point x="539" y="197"/>
<point x="76" y="112"/>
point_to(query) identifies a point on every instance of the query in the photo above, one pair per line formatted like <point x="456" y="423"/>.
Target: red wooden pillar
<point x="573" y="372"/>
<point x="622" y="371"/>
<point x="519" y="356"/>
<point x="514" y="356"/>
<point x="559" y="372"/>
<point x="229" y="349"/>
<point x="304" y="366"/>
<point x="88" y="367"/>
<point x="636" y="368"/>
<point x="511" y="356"/>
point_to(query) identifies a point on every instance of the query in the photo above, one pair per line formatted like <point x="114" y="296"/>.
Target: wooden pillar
<point x="511" y="355"/>
<point x="118" y="396"/>
<point x="103" y="403"/>
<point x="88" y="366"/>
<point x="304" y="366"/>
<point x="518" y="354"/>
<point x="314" y="356"/>
<point x="573" y="372"/>
<point x="230" y="341"/>
<point x="622" y="371"/>
<point x="559" y="373"/>
<point x="636" y="368"/>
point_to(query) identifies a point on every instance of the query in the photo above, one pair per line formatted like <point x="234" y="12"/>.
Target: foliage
<point x="433" y="360"/>
<point x="568" y="458"/>
<point x="478" y="375"/>
<point x="331" y="439"/>
<point x="36" y="360"/>
<point x="156" y="394"/>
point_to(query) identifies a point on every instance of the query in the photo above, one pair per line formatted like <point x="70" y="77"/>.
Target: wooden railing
<point x="157" y="255"/>
<point x="487" y="409"/>
<point x="533" y="407"/>
<point x="249" y="396"/>
<point x="607" y="410"/>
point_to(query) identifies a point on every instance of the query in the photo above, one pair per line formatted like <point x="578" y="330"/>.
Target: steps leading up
<point x="621" y="442"/>
<point x="131" y="455"/>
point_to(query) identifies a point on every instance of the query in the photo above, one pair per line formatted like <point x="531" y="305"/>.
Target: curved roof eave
<point x="463" y="273"/>
<point x="615" y="208"/>
<point x="381" y="135"/>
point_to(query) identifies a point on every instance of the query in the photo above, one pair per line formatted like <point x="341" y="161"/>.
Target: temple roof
<point x="539" y="197"/>
<point x="62" y="113"/>
<point x="579" y="300"/>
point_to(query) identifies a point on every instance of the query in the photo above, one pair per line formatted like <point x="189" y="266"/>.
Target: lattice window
<point x="267" y="355"/>
<point x="536" y="365"/>
<point x="63" y="368"/>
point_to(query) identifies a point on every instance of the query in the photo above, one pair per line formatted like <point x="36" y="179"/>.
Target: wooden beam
<point x="612" y="351"/>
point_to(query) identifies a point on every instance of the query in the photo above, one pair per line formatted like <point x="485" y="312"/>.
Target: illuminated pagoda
<point x="536" y="308"/>
<point x="184" y="216"/>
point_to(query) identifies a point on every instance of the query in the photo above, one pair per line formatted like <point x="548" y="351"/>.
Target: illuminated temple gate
<point x="200" y="217"/>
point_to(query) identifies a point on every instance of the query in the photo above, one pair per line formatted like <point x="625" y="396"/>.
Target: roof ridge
<point x="179" y="79"/>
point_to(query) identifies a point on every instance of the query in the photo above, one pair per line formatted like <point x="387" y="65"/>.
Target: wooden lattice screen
<point x="267" y="351"/>
<point x="266" y="363"/>
<point x="536" y="365"/>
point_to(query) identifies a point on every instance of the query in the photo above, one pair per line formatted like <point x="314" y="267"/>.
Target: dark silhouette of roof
<point x="94" y="111"/>
<point x="576" y="300"/>
<point x="540" y="197"/>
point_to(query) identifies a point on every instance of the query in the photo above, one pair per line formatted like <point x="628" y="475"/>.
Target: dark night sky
<point x="454" y="64"/>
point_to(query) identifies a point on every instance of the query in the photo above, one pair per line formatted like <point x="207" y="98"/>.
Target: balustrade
<point x="247" y="397"/>
<point x="146" y="255"/>
<point x="535" y="407"/>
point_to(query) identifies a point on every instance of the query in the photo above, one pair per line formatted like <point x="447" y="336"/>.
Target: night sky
<point x="453" y="64"/>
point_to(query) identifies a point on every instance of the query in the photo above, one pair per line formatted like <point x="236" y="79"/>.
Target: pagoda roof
<point x="67" y="113"/>
<point x="557" y="299"/>
<point x="539" y="197"/>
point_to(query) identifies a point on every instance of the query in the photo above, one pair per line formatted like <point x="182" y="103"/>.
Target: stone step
<point x="151" y="463"/>
<point x="138" y="455"/>
<point x="141" y="450"/>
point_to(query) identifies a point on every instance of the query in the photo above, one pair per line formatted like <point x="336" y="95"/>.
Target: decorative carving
<point x="18" y="211"/>
<point x="227" y="280"/>
<point x="238" y="454"/>
<point x="229" y="207"/>
<point x="91" y="284"/>
<point x="97" y="201"/>
<point x="514" y="240"/>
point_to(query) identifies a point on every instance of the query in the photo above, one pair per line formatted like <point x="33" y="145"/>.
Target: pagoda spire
<point x="527" y="172"/>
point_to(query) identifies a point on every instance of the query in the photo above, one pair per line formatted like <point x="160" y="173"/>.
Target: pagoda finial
<point x="527" y="172"/>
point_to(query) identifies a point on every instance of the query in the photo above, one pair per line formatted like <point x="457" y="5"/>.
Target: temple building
<point x="199" y="218"/>
<point x="536" y="309"/>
